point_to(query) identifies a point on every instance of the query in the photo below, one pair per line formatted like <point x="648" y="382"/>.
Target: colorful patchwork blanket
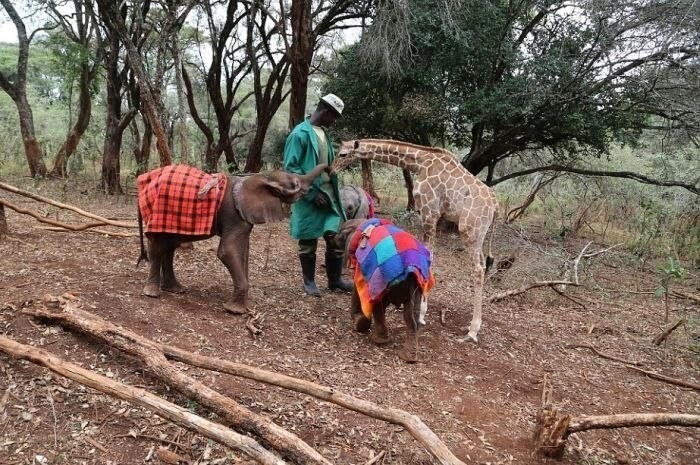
<point x="180" y="199"/>
<point x="383" y="255"/>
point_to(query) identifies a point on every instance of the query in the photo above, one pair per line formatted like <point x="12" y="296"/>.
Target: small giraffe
<point x="443" y="188"/>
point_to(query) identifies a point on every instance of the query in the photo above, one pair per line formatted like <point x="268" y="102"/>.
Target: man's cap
<point x="334" y="103"/>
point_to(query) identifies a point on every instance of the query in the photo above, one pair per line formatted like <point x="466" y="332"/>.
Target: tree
<point x="114" y="20"/>
<point x="225" y="73"/>
<point x="262" y="45"/>
<point x="273" y="56"/>
<point x="506" y="79"/>
<point x="309" y="23"/>
<point x="79" y="30"/>
<point x="16" y="88"/>
<point x="116" y="77"/>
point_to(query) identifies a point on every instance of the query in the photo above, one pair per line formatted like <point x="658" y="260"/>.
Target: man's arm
<point x="294" y="149"/>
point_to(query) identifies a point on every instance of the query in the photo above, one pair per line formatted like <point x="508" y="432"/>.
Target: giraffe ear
<point x="357" y="144"/>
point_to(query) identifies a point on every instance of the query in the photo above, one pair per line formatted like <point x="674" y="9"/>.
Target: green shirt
<point x="302" y="152"/>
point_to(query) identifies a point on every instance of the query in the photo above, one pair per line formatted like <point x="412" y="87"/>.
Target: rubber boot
<point x="308" y="270"/>
<point x="334" y="268"/>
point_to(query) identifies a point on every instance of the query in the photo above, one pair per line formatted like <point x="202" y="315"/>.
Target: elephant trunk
<point x="309" y="177"/>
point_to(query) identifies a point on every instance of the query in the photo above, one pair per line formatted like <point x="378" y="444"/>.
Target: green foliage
<point x="474" y="80"/>
<point x="63" y="61"/>
<point x="668" y="271"/>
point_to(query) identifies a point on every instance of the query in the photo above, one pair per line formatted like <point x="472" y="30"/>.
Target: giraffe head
<point x="348" y="153"/>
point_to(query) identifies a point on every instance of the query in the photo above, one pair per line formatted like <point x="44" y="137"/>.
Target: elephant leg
<point x="168" y="281"/>
<point x="359" y="321"/>
<point x="233" y="253"/>
<point x="155" y="253"/>
<point x="412" y="318"/>
<point x="380" y="334"/>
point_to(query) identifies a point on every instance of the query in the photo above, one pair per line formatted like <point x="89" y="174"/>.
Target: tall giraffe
<point x="443" y="189"/>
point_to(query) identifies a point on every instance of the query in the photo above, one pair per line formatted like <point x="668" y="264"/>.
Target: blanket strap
<point x="208" y="186"/>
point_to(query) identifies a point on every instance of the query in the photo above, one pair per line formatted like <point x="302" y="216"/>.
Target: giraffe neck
<point x="406" y="156"/>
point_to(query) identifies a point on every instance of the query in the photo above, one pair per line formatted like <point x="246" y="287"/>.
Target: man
<point x="319" y="212"/>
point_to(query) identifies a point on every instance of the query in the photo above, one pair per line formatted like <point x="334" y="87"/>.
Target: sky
<point x="8" y="33"/>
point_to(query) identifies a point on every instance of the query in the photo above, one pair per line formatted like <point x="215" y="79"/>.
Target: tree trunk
<point x="80" y="30"/>
<point x="18" y="93"/>
<point x="253" y="162"/>
<point x="150" y="104"/>
<point x="111" y="179"/>
<point x="411" y="202"/>
<point x="142" y="149"/>
<point x="227" y="148"/>
<point x="301" y="55"/>
<point x="208" y="156"/>
<point x="3" y="221"/>
<point x="32" y="149"/>
<point x="368" y="178"/>
<point x="270" y="93"/>
<point x="84" y="113"/>
<point x="180" y="125"/>
<point x="72" y="316"/>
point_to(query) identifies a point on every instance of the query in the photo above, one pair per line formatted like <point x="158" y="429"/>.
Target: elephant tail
<point x="144" y="255"/>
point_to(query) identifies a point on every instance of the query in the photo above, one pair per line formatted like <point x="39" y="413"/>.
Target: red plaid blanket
<point x="169" y="200"/>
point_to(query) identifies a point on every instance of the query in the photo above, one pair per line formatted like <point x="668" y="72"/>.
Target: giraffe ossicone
<point x="443" y="188"/>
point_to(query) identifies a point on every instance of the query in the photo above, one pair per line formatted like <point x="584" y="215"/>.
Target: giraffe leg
<point x="473" y="241"/>
<point x="477" y="294"/>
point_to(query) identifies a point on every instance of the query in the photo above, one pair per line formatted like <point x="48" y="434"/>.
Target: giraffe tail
<point x="489" y="257"/>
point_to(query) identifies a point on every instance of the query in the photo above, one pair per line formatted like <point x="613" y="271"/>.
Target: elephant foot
<point x="151" y="290"/>
<point x="175" y="288"/>
<point x="380" y="338"/>
<point x="235" y="308"/>
<point x="361" y="323"/>
<point x="409" y="355"/>
<point x="409" y="351"/>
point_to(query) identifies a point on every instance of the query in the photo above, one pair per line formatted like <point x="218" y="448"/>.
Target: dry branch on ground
<point x="163" y="408"/>
<point x="661" y="337"/>
<point x="74" y="317"/>
<point x="552" y="428"/>
<point x="630" y="364"/>
<point x="523" y="289"/>
<point x="287" y="444"/>
<point x="101" y="221"/>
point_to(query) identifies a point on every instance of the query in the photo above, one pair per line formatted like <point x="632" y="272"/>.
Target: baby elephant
<point x="391" y="267"/>
<point x="179" y="203"/>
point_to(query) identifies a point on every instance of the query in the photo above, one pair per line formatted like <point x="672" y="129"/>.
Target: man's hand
<point x="321" y="200"/>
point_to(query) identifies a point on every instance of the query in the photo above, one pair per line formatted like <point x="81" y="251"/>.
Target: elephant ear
<point x="258" y="199"/>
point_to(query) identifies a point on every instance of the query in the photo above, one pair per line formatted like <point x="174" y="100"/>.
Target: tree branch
<point x="615" y="174"/>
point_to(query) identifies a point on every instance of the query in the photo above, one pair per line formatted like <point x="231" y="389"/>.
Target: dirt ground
<point x="481" y="400"/>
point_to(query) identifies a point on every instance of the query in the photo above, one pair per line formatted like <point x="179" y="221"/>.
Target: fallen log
<point x="552" y="428"/>
<point x="603" y="355"/>
<point x="660" y="377"/>
<point x="287" y="444"/>
<point x="94" y="231"/>
<point x="42" y="219"/>
<point x="626" y="420"/>
<point x="631" y="363"/>
<point x="661" y="337"/>
<point x="412" y="423"/>
<point x="523" y="289"/>
<point x="64" y="206"/>
<point x="143" y="398"/>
